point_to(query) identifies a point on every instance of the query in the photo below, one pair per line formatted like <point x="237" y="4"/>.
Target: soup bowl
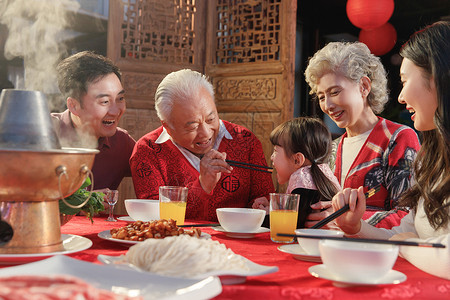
<point x="142" y="209"/>
<point x="356" y="261"/>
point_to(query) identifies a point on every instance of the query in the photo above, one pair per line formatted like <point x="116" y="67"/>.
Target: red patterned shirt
<point x="386" y="158"/>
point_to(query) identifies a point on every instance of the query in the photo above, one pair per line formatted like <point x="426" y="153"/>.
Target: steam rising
<point x="35" y="34"/>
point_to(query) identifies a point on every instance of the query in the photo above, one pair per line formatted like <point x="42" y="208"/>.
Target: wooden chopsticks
<point x="375" y="241"/>
<point x="345" y="208"/>
<point x="249" y="166"/>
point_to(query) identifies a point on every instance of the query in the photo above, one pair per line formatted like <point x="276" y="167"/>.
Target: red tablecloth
<point x="292" y="281"/>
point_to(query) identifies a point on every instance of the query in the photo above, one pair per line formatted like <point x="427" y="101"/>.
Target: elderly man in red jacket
<point x="190" y="149"/>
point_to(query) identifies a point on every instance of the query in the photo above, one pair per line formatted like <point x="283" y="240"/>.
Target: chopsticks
<point x="344" y="209"/>
<point x="374" y="241"/>
<point x="200" y="225"/>
<point x="249" y="166"/>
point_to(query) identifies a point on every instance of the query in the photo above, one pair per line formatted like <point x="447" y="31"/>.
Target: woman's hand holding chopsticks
<point x="350" y="222"/>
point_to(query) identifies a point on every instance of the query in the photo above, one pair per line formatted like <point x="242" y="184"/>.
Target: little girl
<point x="301" y="150"/>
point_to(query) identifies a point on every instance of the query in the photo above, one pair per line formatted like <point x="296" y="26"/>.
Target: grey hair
<point x="354" y="61"/>
<point x="177" y="86"/>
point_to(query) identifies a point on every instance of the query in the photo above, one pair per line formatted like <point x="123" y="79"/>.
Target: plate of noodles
<point x="188" y="257"/>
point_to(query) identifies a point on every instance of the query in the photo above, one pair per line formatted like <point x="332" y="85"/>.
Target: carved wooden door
<point x="250" y="55"/>
<point x="246" y="47"/>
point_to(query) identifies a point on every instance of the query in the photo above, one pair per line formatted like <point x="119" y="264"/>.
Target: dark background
<point x="322" y="21"/>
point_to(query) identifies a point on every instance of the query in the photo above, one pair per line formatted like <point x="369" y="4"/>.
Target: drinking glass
<point x="172" y="203"/>
<point x="283" y="216"/>
<point x="111" y="197"/>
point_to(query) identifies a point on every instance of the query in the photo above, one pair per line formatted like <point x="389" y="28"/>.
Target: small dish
<point x="227" y="277"/>
<point x="242" y="235"/>
<point x="297" y="251"/>
<point x="71" y="244"/>
<point x="106" y="235"/>
<point x="392" y="277"/>
<point x="126" y="219"/>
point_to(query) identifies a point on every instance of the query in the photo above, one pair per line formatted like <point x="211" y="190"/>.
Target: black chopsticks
<point x="344" y="209"/>
<point x="200" y="225"/>
<point x="374" y="241"/>
<point x="249" y="166"/>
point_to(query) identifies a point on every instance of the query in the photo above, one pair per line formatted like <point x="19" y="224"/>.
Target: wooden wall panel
<point x="156" y="36"/>
<point x="255" y="93"/>
<point x="140" y="89"/>
<point x="137" y="122"/>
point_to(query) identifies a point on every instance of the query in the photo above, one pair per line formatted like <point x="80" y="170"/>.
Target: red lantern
<point x="369" y="14"/>
<point x="379" y="40"/>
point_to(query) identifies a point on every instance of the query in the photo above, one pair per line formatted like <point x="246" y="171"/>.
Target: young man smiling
<point x="190" y="149"/>
<point x="91" y="85"/>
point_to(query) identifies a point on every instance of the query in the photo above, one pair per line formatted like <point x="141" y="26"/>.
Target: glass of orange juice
<point x="172" y="203"/>
<point x="283" y="216"/>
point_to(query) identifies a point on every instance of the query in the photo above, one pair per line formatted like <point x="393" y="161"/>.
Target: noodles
<point x="183" y="256"/>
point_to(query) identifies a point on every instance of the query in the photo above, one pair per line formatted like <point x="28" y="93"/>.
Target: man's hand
<point x="212" y="165"/>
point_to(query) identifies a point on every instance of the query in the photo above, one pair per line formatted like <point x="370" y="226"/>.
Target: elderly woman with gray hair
<point x="350" y="85"/>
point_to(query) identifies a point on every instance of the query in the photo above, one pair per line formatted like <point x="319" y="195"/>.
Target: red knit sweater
<point x="154" y="165"/>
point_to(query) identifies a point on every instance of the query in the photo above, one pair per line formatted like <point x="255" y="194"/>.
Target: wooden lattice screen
<point x="247" y="31"/>
<point x="158" y="31"/>
<point x="246" y="47"/>
<point x="250" y="57"/>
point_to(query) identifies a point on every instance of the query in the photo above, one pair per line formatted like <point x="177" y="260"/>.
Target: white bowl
<point x="351" y="261"/>
<point x="311" y="246"/>
<point x="234" y="219"/>
<point x="142" y="209"/>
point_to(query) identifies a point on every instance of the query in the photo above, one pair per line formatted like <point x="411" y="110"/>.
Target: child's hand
<point x="261" y="203"/>
<point x="320" y="210"/>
